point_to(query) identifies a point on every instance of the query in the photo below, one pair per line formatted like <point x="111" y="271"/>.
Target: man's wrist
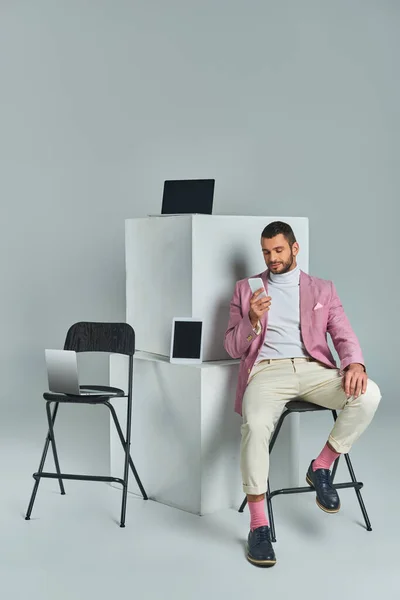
<point x="355" y="367"/>
<point x="253" y="322"/>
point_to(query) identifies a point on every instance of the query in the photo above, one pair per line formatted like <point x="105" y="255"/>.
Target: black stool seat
<point x="301" y="406"/>
<point x="105" y="393"/>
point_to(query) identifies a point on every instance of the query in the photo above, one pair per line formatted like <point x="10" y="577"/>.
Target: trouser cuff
<point x="338" y="447"/>
<point x="254" y="490"/>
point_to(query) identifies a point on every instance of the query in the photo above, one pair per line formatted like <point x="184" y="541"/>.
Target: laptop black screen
<point x="188" y="196"/>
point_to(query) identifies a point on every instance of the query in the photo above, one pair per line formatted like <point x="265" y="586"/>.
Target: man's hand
<point x="258" y="307"/>
<point x="355" y="380"/>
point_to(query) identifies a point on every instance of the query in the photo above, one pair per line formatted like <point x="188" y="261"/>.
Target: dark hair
<point x="276" y="228"/>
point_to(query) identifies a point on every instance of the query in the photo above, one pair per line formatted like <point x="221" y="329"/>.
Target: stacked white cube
<point x="185" y="435"/>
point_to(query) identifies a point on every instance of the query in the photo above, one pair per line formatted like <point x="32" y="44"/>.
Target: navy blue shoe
<point x="327" y="497"/>
<point x="259" y="548"/>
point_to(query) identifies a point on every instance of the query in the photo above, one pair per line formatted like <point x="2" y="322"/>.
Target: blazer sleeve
<point x="240" y="333"/>
<point x="343" y="337"/>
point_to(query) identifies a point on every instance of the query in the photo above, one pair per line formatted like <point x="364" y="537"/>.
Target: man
<point x="281" y="341"/>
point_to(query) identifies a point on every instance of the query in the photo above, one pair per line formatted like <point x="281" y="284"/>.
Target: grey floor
<point x="73" y="548"/>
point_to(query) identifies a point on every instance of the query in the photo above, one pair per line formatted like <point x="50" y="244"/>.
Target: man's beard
<point x="288" y="265"/>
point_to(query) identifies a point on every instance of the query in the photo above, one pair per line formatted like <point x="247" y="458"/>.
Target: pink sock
<point x="257" y="515"/>
<point x="325" y="459"/>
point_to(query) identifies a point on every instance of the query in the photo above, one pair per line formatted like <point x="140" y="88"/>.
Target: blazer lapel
<point x="306" y="304"/>
<point x="264" y="318"/>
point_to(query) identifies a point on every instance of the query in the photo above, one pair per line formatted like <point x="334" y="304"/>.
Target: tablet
<point x="187" y="341"/>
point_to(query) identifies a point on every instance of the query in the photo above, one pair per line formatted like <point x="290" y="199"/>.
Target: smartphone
<point x="255" y="284"/>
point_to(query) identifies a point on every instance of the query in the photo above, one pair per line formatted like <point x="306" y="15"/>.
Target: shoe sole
<point x="327" y="510"/>
<point x="260" y="563"/>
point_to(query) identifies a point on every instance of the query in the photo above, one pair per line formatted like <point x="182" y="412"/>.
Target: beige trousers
<point x="272" y="383"/>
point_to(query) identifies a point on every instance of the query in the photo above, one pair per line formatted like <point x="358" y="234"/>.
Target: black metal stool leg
<point x="53" y="446"/>
<point x="124" y="496"/>
<point x="354" y="480"/>
<point x="121" y="437"/>
<point x="41" y="466"/>
<point x="336" y="463"/>
<point x="127" y="443"/>
<point x="243" y="505"/>
<point x="271" y="514"/>
<point x="358" y="493"/>
<point x="335" y="466"/>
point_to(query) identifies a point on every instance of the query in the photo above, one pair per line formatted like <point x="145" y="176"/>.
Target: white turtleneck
<point x="283" y="336"/>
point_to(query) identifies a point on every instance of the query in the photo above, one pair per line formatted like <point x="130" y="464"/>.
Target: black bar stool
<point x="300" y="406"/>
<point x="112" y="338"/>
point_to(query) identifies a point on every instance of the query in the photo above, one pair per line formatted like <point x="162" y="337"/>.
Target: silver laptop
<point x="62" y="373"/>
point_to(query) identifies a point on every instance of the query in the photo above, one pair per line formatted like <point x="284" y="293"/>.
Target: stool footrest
<point x="104" y="479"/>
<point x="357" y="485"/>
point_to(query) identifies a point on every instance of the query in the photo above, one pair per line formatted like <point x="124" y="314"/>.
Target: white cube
<point x="187" y="266"/>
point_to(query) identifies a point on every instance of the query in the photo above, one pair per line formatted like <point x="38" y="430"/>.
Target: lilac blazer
<point x="321" y="312"/>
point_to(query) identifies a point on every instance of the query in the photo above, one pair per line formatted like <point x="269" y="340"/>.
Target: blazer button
<point x="248" y="370"/>
<point x="249" y="338"/>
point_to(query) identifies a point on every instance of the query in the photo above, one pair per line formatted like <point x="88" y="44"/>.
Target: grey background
<point x="291" y="106"/>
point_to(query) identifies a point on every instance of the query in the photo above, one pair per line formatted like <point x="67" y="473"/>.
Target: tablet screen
<point x="187" y="339"/>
